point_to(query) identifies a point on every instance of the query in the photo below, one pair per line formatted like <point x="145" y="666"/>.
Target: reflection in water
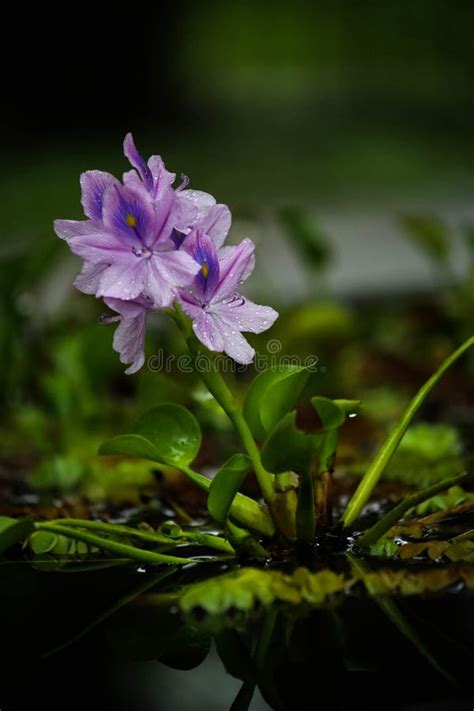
<point x="119" y="639"/>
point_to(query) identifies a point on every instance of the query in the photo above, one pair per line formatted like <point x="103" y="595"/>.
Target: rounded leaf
<point x="173" y="431"/>
<point x="131" y="445"/>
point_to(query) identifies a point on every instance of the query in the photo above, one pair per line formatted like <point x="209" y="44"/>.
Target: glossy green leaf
<point x="271" y="395"/>
<point x="13" y="530"/>
<point x="331" y="414"/>
<point x="173" y="431"/>
<point x="131" y="445"/>
<point x="225" y="486"/>
<point x="287" y="448"/>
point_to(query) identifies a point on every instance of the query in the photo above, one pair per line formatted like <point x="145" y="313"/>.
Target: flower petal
<point x="245" y="315"/>
<point x="94" y="183"/>
<point x="89" y="279"/>
<point x="167" y="271"/>
<point x="235" y="345"/>
<point x="98" y="247"/>
<point x="201" y="201"/>
<point x="129" y="341"/>
<point x="203" y="250"/>
<point x="129" y="215"/>
<point x="124" y="280"/>
<point x="137" y="161"/>
<point x="66" y="229"/>
<point x="236" y="264"/>
<point x="208" y="331"/>
<point x="216" y="223"/>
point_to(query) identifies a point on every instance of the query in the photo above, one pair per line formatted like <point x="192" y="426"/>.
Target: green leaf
<point x="331" y="414"/>
<point x="287" y="448"/>
<point x="271" y="395"/>
<point x="42" y="542"/>
<point x="13" y="530"/>
<point x="225" y="486"/>
<point x="131" y="445"/>
<point x="173" y="431"/>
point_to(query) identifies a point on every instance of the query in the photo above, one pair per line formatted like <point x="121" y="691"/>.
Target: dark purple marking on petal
<point x="94" y="183"/>
<point x="204" y="252"/>
<point x="126" y="212"/>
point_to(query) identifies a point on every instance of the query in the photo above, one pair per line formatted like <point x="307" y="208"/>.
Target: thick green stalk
<point x="216" y="385"/>
<point x="202" y="539"/>
<point x="122" y="549"/>
<point x="244" y="509"/>
<point x="389" y="447"/>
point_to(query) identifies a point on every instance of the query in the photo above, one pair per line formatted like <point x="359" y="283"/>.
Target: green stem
<point x="389" y="447"/>
<point x="244" y="509"/>
<point x="390" y="519"/>
<point x="122" y="549"/>
<point x="113" y="529"/>
<point x="202" y="539"/>
<point x="216" y="385"/>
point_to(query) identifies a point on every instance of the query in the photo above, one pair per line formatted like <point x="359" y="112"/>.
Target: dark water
<point x="345" y="656"/>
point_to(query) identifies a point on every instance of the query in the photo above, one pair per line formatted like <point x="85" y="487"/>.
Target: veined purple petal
<point x="208" y="332"/>
<point x="216" y="223"/>
<point x="66" y="229"/>
<point x="168" y="271"/>
<point x="162" y="178"/>
<point x="99" y="247"/>
<point x="89" y="279"/>
<point x="236" y="264"/>
<point x="94" y="183"/>
<point x="137" y="161"/>
<point x="129" y="341"/>
<point x="128" y="214"/>
<point x="235" y="345"/>
<point x="201" y="201"/>
<point x="124" y="280"/>
<point x="245" y="315"/>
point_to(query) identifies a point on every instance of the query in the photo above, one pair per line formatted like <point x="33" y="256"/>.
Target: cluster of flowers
<point x="146" y="245"/>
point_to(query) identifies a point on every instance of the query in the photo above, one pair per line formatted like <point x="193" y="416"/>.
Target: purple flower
<point x="145" y="244"/>
<point x="219" y="313"/>
<point x="129" y="241"/>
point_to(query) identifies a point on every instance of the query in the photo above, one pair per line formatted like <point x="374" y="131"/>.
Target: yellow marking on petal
<point x="131" y="220"/>
<point x="205" y="270"/>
